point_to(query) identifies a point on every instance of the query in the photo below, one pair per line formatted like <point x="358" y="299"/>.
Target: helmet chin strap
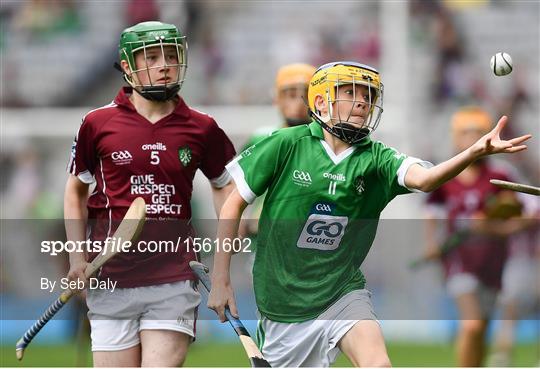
<point x="348" y="133"/>
<point x="159" y="93"/>
<point x="153" y="93"/>
<point x="344" y="131"/>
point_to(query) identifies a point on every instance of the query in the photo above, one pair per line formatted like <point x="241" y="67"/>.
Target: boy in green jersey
<point x="327" y="183"/>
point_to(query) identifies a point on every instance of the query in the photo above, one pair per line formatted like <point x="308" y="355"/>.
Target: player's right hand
<point x="220" y="297"/>
<point x="76" y="272"/>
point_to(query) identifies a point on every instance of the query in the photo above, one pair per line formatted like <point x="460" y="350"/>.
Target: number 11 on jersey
<point x="332" y="188"/>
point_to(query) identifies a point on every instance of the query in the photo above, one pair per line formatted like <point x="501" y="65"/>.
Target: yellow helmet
<point x="294" y="74"/>
<point x="325" y="82"/>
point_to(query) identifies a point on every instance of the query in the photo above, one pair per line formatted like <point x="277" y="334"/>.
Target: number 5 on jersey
<point x="154" y="157"/>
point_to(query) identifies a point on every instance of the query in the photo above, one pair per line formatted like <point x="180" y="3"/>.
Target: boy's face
<point x="351" y="105"/>
<point x="155" y="67"/>
<point x="290" y="103"/>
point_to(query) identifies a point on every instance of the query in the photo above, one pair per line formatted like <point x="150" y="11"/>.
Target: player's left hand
<point x="221" y="297"/>
<point x="491" y="143"/>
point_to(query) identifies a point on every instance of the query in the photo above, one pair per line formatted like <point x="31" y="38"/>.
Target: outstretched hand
<point x="491" y="143"/>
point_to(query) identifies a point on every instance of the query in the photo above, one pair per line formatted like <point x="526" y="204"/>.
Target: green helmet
<point x="143" y="36"/>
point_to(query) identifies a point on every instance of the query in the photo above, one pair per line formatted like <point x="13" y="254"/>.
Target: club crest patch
<point x="184" y="154"/>
<point x="359" y="185"/>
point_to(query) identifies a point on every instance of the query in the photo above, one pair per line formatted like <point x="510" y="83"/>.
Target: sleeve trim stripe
<point x="221" y="181"/>
<point x="239" y="178"/>
<point x="71" y="165"/>
<point x="404" y="167"/>
<point x="107" y="205"/>
<point x="85" y="177"/>
<point x="112" y="104"/>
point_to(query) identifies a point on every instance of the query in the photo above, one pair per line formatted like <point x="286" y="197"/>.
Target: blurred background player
<point x="520" y="295"/>
<point x="474" y="211"/>
<point x="290" y="96"/>
<point x="324" y="181"/>
<point x="147" y="143"/>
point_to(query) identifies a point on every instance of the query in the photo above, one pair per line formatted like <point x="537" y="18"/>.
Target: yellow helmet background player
<point x="291" y="86"/>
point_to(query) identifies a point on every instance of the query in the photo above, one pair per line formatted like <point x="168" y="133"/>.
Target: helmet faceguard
<point x="326" y="81"/>
<point x="142" y="37"/>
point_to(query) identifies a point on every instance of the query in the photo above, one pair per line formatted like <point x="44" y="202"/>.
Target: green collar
<point x="316" y="130"/>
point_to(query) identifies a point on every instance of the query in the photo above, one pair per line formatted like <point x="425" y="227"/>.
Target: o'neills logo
<point x="335" y="177"/>
<point x="158" y="146"/>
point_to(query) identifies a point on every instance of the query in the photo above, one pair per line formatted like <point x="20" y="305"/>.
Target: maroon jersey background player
<point x="479" y="255"/>
<point x="474" y="268"/>
<point x="147" y="143"/>
<point x="129" y="157"/>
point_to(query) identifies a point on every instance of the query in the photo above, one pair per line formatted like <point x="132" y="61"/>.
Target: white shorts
<point x="313" y="343"/>
<point x="521" y="281"/>
<point x="117" y="318"/>
<point x="464" y="283"/>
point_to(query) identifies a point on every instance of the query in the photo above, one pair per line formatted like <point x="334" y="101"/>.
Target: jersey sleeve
<point x="392" y="166"/>
<point x="218" y="152"/>
<point x="254" y="169"/>
<point x="83" y="157"/>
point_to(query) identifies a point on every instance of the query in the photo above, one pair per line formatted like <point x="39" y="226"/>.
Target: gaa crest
<point x="184" y="154"/>
<point x="359" y="184"/>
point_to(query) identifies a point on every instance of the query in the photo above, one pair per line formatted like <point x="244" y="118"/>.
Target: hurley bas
<point x="65" y="283"/>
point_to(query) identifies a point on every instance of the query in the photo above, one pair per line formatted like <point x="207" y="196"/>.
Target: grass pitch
<point x="232" y="355"/>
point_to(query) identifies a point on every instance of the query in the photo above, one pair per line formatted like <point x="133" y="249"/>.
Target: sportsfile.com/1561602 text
<point x="113" y="244"/>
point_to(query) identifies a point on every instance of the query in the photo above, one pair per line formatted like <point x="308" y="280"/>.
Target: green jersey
<point x="256" y="207"/>
<point x="319" y="216"/>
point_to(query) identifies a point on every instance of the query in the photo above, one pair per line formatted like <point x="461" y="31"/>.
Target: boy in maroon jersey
<point x="520" y="294"/>
<point x="473" y="269"/>
<point x="147" y="143"/>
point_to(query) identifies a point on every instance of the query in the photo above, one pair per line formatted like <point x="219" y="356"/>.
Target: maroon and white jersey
<point x="457" y="202"/>
<point x="128" y="156"/>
